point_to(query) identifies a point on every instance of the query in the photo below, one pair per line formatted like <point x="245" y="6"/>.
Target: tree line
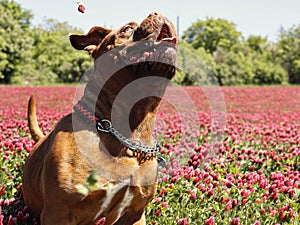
<point x="235" y="60"/>
<point x="37" y="55"/>
<point x="210" y="49"/>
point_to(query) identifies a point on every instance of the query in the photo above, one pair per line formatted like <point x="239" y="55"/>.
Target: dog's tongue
<point x="170" y="39"/>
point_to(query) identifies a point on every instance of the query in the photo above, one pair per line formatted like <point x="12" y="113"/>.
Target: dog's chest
<point x="117" y="200"/>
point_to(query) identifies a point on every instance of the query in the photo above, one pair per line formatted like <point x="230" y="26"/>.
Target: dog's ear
<point x="89" y="41"/>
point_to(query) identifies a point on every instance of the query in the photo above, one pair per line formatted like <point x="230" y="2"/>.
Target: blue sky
<point x="258" y="17"/>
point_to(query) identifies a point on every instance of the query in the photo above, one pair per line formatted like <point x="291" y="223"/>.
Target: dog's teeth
<point x="115" y="59"/>
<point x="150" y="55"/>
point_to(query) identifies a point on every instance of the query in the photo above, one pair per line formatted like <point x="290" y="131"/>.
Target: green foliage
<point x="92" y="184"/>
<point x="243" y="66"/>
<point x="233" y="68"/>
<point x="37" y="55"/>
<point x="211" y="34"/>
<point x="256" y="43"/>
<point x="289" y="52"/>
<point x="14" y="10"/>
<point x="55" y="57"/>
<point x="234" y="60"/>
<point x="194" y="66"/>
<point x="15" y="41"/>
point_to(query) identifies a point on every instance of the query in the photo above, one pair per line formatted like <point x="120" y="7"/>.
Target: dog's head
<point x="147" y="48"/>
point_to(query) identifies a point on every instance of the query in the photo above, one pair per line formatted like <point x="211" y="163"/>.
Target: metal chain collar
<point x="104" y="125"/>
<point x="134" y="145"/>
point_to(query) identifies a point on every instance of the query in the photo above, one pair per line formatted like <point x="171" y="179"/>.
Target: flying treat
<point x="81" y="7"/>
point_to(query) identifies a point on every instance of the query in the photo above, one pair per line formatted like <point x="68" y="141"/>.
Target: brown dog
<point x="132" y="68"/>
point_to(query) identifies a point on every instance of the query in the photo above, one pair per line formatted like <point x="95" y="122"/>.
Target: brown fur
<point x="57" y="164"/>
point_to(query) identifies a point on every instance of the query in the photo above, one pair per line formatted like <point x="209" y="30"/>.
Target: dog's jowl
<point x="108" y="132"/>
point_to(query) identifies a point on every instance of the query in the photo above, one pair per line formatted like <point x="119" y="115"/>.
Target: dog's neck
<point x="107" y="98"/>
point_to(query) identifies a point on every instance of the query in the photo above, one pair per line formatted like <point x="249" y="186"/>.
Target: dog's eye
<point x="126" y="29"/>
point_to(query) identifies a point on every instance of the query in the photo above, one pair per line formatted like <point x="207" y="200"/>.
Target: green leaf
<point x="82" y="189"/>
<point x="92" y="179"/>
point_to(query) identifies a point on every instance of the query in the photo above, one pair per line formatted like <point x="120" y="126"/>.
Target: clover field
<point x="233" y="160"/>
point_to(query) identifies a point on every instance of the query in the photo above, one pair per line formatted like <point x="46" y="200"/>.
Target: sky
<point x="255" y="17"/>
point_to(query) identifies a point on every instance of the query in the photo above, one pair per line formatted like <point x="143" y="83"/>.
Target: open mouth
<point x="165" y="35"/>
<point x="153" y="55"/>
<point x="163" y="47"/>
